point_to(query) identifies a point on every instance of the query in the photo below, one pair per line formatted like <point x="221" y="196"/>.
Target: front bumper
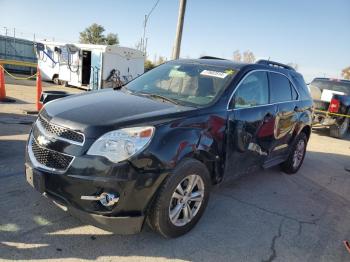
<point x="118" y="225"/>
<point x="135" y="189"/>
<point x="123" y="224"/>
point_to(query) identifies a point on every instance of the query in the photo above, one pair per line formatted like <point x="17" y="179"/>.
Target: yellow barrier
<point x="16" y="77"/>
<point x="18" y="63"/>
<point x="332" y="114"/>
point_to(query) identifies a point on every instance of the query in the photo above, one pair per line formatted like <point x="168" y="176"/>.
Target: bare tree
<point x="138" y="45"/>
<point x="161" y="60"/>
<point x="248" y="57"/>
<point x="237" y="57"/>
<point x="346" y="73"/>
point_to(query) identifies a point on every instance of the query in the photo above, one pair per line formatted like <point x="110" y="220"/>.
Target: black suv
<point x="151" y="150"/>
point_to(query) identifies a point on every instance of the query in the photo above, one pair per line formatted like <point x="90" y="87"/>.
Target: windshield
<point x="332" y="85"/>
<point x="183" y="83"/>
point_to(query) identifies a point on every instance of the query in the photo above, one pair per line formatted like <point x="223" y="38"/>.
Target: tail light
<point x="334" y="106"/>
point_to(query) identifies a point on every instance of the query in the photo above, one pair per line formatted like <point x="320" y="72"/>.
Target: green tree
<point x="94" y="35"/>
<point x="148" y="65"/>
<point x="111" y="39"/>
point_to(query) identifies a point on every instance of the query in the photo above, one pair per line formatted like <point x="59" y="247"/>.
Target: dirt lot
<point x="264" y="216"/>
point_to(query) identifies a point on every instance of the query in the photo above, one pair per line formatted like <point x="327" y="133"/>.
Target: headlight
<point x="121" y="144"/>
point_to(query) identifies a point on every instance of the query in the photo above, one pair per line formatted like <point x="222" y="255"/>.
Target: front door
<point x="251" y="121"/>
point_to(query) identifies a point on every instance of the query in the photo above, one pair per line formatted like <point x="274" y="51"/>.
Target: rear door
<point x="285" y="96"/>
<point x="251" y="121"/>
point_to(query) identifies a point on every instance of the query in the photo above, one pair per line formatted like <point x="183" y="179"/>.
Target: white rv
<point x="89" y="66"/>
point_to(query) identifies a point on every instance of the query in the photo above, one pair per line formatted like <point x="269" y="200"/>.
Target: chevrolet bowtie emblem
<point x="43" y="141"/>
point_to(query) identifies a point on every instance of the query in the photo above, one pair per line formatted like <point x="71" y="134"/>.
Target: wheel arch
<point x="307" y="131"/>
<point x="209" y="160"/>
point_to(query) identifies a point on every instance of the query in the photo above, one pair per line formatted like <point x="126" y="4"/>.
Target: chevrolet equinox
<point x="149" y="151"/>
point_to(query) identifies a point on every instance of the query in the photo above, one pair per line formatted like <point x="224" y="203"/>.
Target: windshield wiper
<point x="119" y="87"/>
<point x="159" y="96"/>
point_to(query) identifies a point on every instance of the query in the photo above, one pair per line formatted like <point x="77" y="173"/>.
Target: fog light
<point x="106" y="199"/>
<point x="109" y="199"/>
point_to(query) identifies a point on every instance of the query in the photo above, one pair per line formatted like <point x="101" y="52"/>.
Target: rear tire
<point x="339" y="131"/>
<point x="296" y="156"/>
<point x="177" y="208"/>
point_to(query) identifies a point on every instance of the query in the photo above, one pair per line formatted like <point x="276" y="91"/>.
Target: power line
<point x="155" y="5"/>
<point x="143" y="39"/>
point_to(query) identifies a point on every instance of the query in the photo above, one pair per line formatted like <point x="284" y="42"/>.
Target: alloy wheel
<point x="299" y="153"/>
<point x="186" y="200"/>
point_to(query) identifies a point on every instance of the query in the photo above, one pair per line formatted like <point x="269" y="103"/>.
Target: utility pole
<point x="5" y="42"/>
<point x="14" y="39"/>
<point x="180" y="23"/>
<point x="144" y="35"/>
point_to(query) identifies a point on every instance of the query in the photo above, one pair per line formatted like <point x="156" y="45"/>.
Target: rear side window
<point x="302" y="88"/>
<point x="280" y="88"/>
<point x="294" y="92"/>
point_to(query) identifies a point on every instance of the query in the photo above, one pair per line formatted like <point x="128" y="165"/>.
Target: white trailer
<point x="89" y="66"/>
<point x="48" y="61"/>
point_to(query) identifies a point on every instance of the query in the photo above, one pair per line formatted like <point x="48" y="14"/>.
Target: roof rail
<point x="274" y="64"/>
<point x="211" y="57"/>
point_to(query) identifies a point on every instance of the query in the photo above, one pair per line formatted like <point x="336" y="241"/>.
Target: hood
<point x="107" y="109"/>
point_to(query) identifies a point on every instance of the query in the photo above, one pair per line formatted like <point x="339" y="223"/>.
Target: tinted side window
<point x="279" y="88"/>
<point x="252" y="91"/>
<point x="302" y="88"/>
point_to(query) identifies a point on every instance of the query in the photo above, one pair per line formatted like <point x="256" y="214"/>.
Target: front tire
<point x="181" y="200"/>
<point x="296" y="156"/>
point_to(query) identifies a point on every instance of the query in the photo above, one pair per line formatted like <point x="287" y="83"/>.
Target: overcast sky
<point x="314" y="34"/>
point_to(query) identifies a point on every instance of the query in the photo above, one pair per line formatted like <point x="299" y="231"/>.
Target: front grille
<point x="50" y="159"/>
<point x="61" y="132"/>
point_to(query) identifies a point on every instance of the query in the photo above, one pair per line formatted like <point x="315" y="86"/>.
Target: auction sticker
<point x="213" y="73"/>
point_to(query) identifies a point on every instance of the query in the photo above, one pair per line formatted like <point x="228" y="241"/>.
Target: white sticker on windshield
<point x="213" y="73"/>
